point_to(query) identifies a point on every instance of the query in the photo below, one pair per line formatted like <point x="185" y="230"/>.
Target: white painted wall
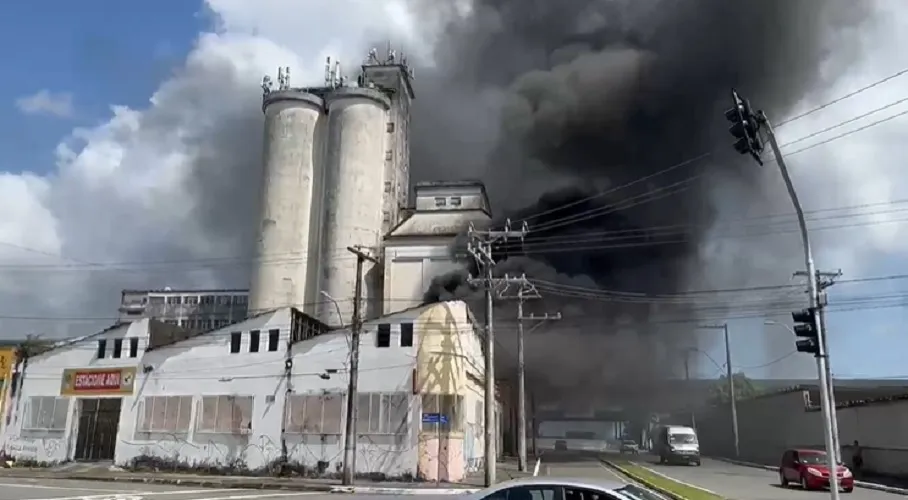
<point x="410" y="268"/>
<point x="204" y="366"/>
<point x="43" y="376"/>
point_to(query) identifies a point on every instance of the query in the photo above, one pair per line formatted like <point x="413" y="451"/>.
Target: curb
<point x="644" y="482"/>
<point x="377" y="490"/>
<point x="204" y="483"/>
<point x="860" y="484"/>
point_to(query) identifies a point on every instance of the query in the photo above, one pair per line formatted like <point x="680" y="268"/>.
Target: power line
<point x="842" y="98"/>
<point x="707" y="154"/>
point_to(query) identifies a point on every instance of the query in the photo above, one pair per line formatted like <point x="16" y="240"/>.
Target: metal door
<point x="99" y="421"/>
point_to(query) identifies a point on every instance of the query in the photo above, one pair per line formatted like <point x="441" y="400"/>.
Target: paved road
<point x="748" y="483"/>
<point x="47" y="489"/>
<point x="577" y="465"/>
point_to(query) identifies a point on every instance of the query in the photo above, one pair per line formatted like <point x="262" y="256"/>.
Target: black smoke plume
<point x="552" y="102"/>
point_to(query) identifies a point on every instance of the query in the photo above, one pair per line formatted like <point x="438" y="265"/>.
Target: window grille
<point x="165" y="414"/>
<point x="225" y="415"/>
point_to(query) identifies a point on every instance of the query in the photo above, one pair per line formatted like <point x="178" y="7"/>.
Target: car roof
<point x="576" y="482"/>
<point x="809" y="451"/>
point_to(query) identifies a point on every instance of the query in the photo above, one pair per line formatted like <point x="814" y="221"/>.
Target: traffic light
<point x="806" y="328"/>
<point x="745" y="127"/>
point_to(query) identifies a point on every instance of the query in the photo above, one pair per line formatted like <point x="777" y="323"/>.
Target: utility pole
<point x="746" y="127"/>
<point x="480" y="247"/>
<point x="824" y="281"/>
<point x="356" y="326"/>
<point x="730" y="379"/>
<point x="525" y="291"/>
<point x="693" y="414"/>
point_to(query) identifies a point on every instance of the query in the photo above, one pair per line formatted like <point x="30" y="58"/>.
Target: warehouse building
<point x="267" y="390"/>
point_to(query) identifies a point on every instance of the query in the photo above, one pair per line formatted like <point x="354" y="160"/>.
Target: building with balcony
<point x="195" y="310"/>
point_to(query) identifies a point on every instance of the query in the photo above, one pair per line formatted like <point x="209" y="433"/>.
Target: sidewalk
<point x="473" y="482"/>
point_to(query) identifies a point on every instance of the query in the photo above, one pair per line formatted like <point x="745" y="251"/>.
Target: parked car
<point x="629" y="446"/>
<point x="809" y="469"/>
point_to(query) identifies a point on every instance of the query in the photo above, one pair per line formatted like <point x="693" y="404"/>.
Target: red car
<point x="808" y="468"/>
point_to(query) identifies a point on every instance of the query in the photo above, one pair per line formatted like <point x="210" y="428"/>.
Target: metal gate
<point x="99" y="420"/>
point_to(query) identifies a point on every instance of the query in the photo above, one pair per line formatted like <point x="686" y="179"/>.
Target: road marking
<point x="135" y="495"/>
<point x="260" y="495"/>
<point x="64" y="488"/>
<point x="694" y="486"/>
<point x="612" y="472"/>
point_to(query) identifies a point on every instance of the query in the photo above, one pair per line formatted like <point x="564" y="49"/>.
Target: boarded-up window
<point x="445" y="411"/>
<point x="165" y="414"/>
<point x="382" y="413"/>
<point x="225" y="415"/>
<point x="314" y="414"/>
<point x="46" y="413"/>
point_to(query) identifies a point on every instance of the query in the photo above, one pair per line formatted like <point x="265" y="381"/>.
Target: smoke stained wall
<point x="551" y="103"/>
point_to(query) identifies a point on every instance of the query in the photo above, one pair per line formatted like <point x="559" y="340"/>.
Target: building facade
<point x="69" y="401"/>
<point x="195" y="310"/>
<point x="419" y="248"/>
<point x="271" y="389"/>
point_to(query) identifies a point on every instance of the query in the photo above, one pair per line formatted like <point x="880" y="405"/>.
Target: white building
<point x="267" y="390"/>
<point x="419" y="248"/>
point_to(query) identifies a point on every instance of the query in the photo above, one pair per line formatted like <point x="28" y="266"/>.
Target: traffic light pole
<point x="813" y="292"/>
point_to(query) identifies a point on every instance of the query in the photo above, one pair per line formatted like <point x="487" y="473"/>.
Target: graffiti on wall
<point x="33" y="448"/>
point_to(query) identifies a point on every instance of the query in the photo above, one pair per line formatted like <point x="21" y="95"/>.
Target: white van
<point x="678" y="444"/>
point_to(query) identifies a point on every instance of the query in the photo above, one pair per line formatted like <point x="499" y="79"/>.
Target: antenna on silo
<point x="328" y="72"/>
<point x="267" y="85"/>
<point x="372" y="58"/>
<point x="338" y="74"/>
<point x="286" y="77"/>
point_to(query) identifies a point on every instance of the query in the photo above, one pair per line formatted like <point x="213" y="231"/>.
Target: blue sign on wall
<point x="434" y="418"/>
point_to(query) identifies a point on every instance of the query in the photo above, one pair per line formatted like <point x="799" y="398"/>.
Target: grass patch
<point x="663" y="484"/>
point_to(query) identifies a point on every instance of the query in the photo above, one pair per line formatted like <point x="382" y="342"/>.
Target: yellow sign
<point x="7" y="363"/>
<point x="98" y="381"/>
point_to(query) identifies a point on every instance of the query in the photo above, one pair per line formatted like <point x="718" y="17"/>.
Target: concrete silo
<point x="354" y="211"/>
<point x="285" y="270"/>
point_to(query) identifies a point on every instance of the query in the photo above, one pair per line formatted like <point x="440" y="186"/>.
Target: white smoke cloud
<point x="174" y="181"/>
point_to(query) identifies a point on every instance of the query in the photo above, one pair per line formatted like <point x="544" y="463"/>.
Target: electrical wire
<point x="684" y="184"/>
<point x="842" y="98"/>
<point x="707" y="154"/>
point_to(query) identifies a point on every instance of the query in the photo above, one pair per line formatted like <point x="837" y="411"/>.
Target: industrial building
<point x="266" y="390"/>
<point x="195" y="310"/>
<point x="335" y="175"/>
<point x="253" y="379"/>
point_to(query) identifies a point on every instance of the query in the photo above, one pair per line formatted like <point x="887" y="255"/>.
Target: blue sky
<point x="102" y="52"/>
